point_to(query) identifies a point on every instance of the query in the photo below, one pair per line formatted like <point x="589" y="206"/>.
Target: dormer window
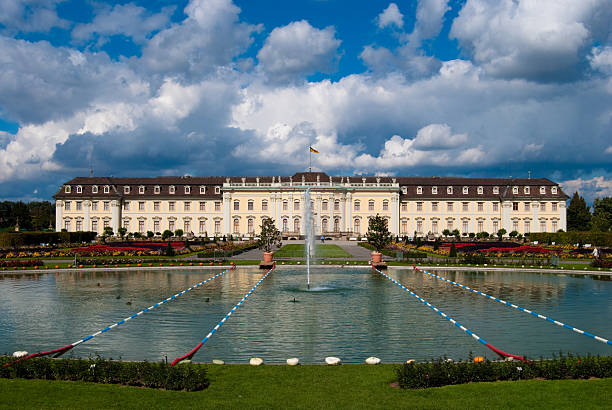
<point x="156" y="189"/>
<point x="404" y="190"/>
<point x="106" y="189"/>
<point x="94" y="189"/>
<point x="202" y="190"/>
<point x="542" y="190"/>
<point x="526" y="190"/>
<point x="187" y="190"/>
<point x="496" y="190"/>
<point x="141" y="189"/>
<point x="515" y="190"/>
<point x="171" y="189"/>
<point x="480" y="190"/>
<point x="67" y="189"/>
<point x="419" y="190"/>
<point x="466" y="190"/>
<point x="126" y="189"/>
<point x="449" y="190"/>
<point x="434" y="190"/>
<point x="79" y="189"/>
<point x="553" y="190"/>
<point x="217" y="190"/>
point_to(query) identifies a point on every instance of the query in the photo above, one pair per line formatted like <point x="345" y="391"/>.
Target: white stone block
<point x="333" y="361"/>
<point x="217" y="361"/>
<point x="256" y="361"/>
<point x="372" y="360"/>
<point x="294" y="361"/>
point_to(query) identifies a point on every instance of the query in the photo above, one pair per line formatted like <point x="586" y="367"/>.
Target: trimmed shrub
<point x="573" y="237"/>
<point x="186" y="377"/>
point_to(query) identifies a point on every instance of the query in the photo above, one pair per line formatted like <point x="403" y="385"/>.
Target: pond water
<point x="349" y="313"/>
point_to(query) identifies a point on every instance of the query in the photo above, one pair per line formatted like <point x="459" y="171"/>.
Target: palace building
<point x="341" y="206"/>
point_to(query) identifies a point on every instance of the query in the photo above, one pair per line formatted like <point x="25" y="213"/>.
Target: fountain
<point x="309" y="242"/>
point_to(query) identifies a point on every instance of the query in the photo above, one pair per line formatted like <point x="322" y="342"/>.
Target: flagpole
<point x="309" y="160"/>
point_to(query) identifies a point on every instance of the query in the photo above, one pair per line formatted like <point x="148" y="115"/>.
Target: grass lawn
<point x="321" y="251"/>
<point x="308" y="387"/>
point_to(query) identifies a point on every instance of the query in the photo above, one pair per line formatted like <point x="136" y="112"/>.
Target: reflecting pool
<point x="351" y="313"/>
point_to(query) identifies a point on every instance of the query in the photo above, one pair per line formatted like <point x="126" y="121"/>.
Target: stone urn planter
<point x="376" y="257"/>
<point x="268" y="256"/>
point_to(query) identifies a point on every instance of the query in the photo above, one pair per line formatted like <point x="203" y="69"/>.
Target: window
<point x="250" y="228"/>
<point x="141" y="189"/>
<point x="336" y="205"/>
<point x="67" y="205"/>
<point x="449" y="207"/>
<point x="480" y="190"/>
<point x="171" y="226"/>
<point x="171" y="189"/>
<point x="404" y="190"/>
<point x="94" y="189"/>
<point x="419" y="190"/>
<point x="449" y="224"/>
<point x="385" y="205"/>
<point x="79" y="225"/>
<point x="357" y="226"/>
<point x="419" y="206"/>
<point x="264" y="205"/>
<point x="419" y="226"/>
<point x="202" y="190"/>
<point x="285" y="205"/>
<point x="434" y="227"/>
<point x="141" y="206"/>
<point x="126" y="189"/>
<point x="79" y="205"/>
<point x="217" y="227"/>
<point x="515" y="206"/>
<point x="217" y="206"/>
<point x="126" y="206"/>
<point x="126" y="224"/>
<point x="515" y="225"/>
<point x="336" y="225"/>
<point x="554" y="225"/>
<point x="324" y="226"/>
<point x="106" y="223"/>
<point x="324" y="206"/>
<point x="106" y="189"/>
<point x="466" y="190"/>
<point x="357" y="205"/>
<point x="106" y="206"/>
<point x="527" y="226"/>
<point x="434" y="190"/>
<point x="141" y="226"/>
<point x="156" y="206"/>
<point x="285" y="225"/>
<point x="94" y="225"/>
<point x="543" y="206"/>
<point x="250" y="205"/>
<point x="296" y="225"/>
<point x="465" y="206"/>
<point x="553" y="190"/>
<point x="67" y="190"/>
<point x="434" y="207"/>
<point x="527" y="206"/>
<point x="187" y="190"/>
<point x="202" y="226"/>
<point x="187" y="206"/>
<point x="156" y="226"/>
<point x="526" y="190"/>
<point x="480" y="227"/>
<point x="202" y="206"/>
<point x="236" y="205"/>
<point x="371" y="205"/>
<point x="296" y="205"/>
<point x="496" y="190"/>
<point x="67" y="224"/>
<point x="187" y="226"/>
<point x="156" y="189"/>
<point x="236" y="226"/>
<point x="542" y="190"/>
<point x="94" y="206"/>
<point x="515" y="190"/>
<point x="404" y="206"/>
<point x="480" y="206"/>
<point x="449" y="190"/>
<point x="171" y="206"/>
<point x="553" y="207"/>
<point x="495" y="207"/>
<point x="464" y="226"/>
<point x="542" y="226"/>
<point x="79" y="189"/>
<point x="404" y="226"/>
<point x="495" y="226"/>
<point x="217" y="190"/>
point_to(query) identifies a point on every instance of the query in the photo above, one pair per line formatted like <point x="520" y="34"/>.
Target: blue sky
<point x="218" y="87"/>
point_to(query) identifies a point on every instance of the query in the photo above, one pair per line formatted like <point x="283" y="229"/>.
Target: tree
<point x="446" y="232"/>
<point x="178" y="233"/>
<point x="501" y="233"/>
<point x="150" y="234"/>
<point x="452" y="251"/>
<point x="578" y="214"/>
<point x="456" y="234"/>
<point x="270" y="236"/>
<point x="513" y="234"/>
<point x="169" y="250"/>
<point x="602" y="214"/>
<point x="108" y="231"/>
<point x="378" y="233"/>
<point x="122" y="231"/>
<point x="472" y="235"/>
<point x="167" y="234"/>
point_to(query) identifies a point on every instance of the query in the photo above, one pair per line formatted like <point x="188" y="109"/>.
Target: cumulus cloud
<point x="533" y="39"/>
<point x="601" y="59"/>
<point x="429" y="19"/>
<point x="28" y="16"/>
<point x="391" y="16"/>
<point x="589" y="188"/>
<point x="438" y="136"/>
<point x="298" y="49"/>
<point x="128" y="20"/>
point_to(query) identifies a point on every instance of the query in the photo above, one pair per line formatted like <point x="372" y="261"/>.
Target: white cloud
<point x="27" y="16"/>
<point x="438" y="136"/>
<point x="298" y="49"/>
<point x="129" y="20"/>
<point x="533" y="39"/>
<point x="391" y="16"/>
<point x="608" y="150"/>
<point x="601" y="59"/>
<point x="429" y="19"/>
<point x="596" y="187"/>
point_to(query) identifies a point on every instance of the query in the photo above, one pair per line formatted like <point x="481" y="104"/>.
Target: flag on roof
<point x="313" y="150"/>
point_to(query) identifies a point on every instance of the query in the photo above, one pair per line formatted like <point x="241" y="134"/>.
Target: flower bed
<point x="21" y="263"/>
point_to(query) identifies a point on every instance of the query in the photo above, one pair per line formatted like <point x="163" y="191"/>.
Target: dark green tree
<point x="178" y="233"/>
<point x="602" y="215"/>
<point x="501" y="233"/>
<point x="270" y="236"/>
<point x="578" y="214"/>
<point x="167" y="234"/>
<point x="378" y="233"/>
<point x="150" y="234"/>
<point x="122" y="231"/>
<point x="452" y="251"/>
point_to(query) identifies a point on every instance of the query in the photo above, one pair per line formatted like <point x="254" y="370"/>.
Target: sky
<point x="475" y="88"/>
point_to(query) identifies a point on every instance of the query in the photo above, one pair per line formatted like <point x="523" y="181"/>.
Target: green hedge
<point x="442" y="372"/>
<point x="573" y="237"/>
<point x="16" y="239"/>
<point x="229" y="252"/>
<point x="188" y="377"/>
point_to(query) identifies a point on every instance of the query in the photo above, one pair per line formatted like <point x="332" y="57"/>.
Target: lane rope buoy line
<point x="60" y="351"/>
<point x="193" y="351"/>
<point x="522" y="309"/>
<point x="501" y="353"/>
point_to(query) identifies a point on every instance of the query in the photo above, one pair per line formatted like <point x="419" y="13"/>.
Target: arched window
<point x="324" y="227"/>
<point x="337" y="225"/>
<point x="337" y="205"/>
<point x="357" y="205"/>
<point x="466" y="190"/>
<point x="480" y="190"/>
<point x="250" y="228"/>
<point x="264" y="205"/>
<point x="236" y="205"/>
<point x="236" y="225"/>
<point x="79" y="189"/>
<point x="285" y="225"/>
<point x="371" y="205"/>
<point x="419" y="190"/>
<point x="296" y="225"/>
<point x="296" y="205"/>
<point x="250" y="205"/>
<point x="449" y="190"/>
<point x="385" y="205"/>
<point x="285" y="206"/>
<point x="94" y="189"/>
<point x="324" y="205"/>
<point x="357" y="226"/>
